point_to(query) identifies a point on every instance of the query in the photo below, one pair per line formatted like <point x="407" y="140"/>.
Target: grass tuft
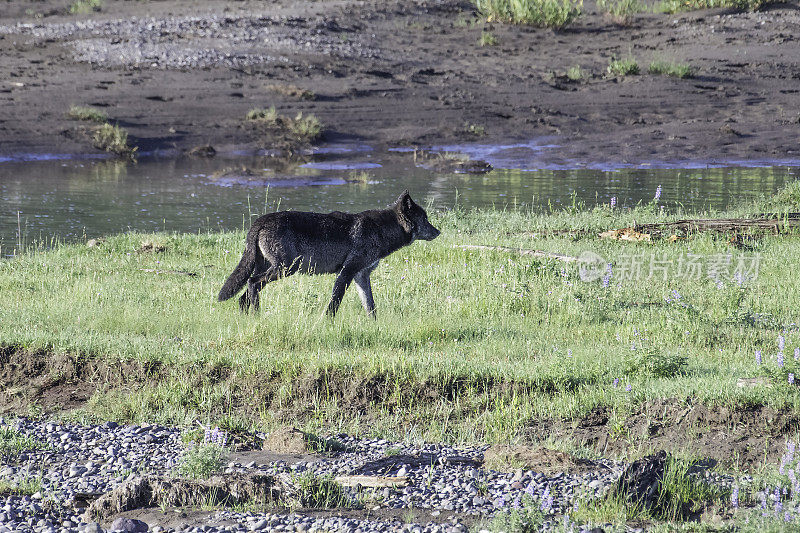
<point x="554" y="14"/>
<point x="303" y="128"/>
<point x="623" y="67"/>
<point x="91" y="114"/>
<point x="666" y="68"/>
<point x="575" y="73"/>
<point x="202" y="460"/>
<point x="319" y="492"/>
<point x="83" y="7"/>
<point x="114" y="139"/>
<point x="12" y="443"/>
<point x="677" y="6"/>
<point x="620" y="11"/>
<point x="487" y="38"/>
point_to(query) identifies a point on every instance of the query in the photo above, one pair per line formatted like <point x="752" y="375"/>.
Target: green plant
<point x="620" y="11"/>
<point x="202" y="460"/>
<point x="82" y="7"/>
<point x="675" y="6"/>
<point x="650" y="362"/>
<point x="473" y="129"/>
<point x="487" y="38"/>
<point x="307" y="128"/>
<point x="12" y="442"/>
<point x="114" y="139"/>
<point x="623" y="67"/>
<point x="320" y="492"/>
<point x="575" y="73"/>
<point x="91" y="114"/>
<point x="269" y="115"/>
<point x="25" y="487"/>
<point x="546" y="13"/>
<point x="675" y="70"/>
<point x="683" y="493"/>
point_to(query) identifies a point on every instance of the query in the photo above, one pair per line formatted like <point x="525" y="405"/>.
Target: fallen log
<point x="520" y="251"/>
<point x="372" y="481"/>
<point x="765" y="222"/>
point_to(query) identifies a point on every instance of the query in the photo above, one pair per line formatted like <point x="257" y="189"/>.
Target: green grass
<point x="319" y="492"/>
<point x="469" y="345"/>
<point x="623" y="67"/>
<point x="305" y="128"/>
<point x="676" y="6"/>
<point x="26" y="487"/>
<point x="620" y="11"/>
<point x="575" y="73"/>
<point x="12" y="443"/>
<point x="487" y="38"/>
<point x="667" y="68"/>
<point x="83" y="7"/>
<point x="545" y="13"/>
<point x="114" y="139"/>
<point x="90" y="114"/>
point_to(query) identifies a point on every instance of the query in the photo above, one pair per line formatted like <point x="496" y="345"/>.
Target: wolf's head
<point x="415" y="218"/>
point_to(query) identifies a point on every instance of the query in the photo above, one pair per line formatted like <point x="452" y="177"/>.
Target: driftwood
<point x="372" y="481"/>
<point x="521" y="251"/>
<point x="764" y="222"/>
<point x="157" y="271"/>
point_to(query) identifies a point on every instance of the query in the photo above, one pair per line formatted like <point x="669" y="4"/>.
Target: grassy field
<point x="469" y="345"/>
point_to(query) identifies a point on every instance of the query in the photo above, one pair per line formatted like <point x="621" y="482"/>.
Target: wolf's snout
<point x="429" y="233"/>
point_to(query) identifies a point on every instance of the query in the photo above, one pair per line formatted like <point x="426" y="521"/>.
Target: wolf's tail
<point x="241" y="273"/>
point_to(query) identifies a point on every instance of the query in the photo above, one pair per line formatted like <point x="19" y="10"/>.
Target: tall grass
<point x="468" y="344"/>
<point x="545" y="13"/>
<point x="675" y="6"/>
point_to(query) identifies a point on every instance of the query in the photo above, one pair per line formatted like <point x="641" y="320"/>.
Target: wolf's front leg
<point x="364" y="288"/>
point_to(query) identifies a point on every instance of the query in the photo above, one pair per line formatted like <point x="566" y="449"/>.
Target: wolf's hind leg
<point x="254" y="285"/>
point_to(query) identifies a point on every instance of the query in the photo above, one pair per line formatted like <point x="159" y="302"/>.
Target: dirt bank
<point x="401" y="73"/>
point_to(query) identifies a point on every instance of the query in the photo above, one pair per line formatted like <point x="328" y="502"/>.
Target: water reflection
<point x="74" y="199"/>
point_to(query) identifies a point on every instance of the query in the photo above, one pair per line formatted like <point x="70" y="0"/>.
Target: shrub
<point x="202" y="460"/>
<point x="575" y="73"/>
<point x="545" y="13"/>
<point x="113" y="139"/>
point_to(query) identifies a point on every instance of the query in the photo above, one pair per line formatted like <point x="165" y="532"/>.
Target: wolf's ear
<point x="404" y="200"/>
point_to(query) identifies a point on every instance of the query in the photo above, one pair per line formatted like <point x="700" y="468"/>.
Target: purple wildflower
<point x="628" y="387"/>
<point x="616" y="382"/>
<point x="758" y="357"/>
<point x="547" y="500"/>
<point x="787" y="517"/>
<point x="735" y="497"/>
<point x="781" y="342"/>
<point x="658" y="194"/>
<point x="613" y="202"/>
<point x="607" y="276"/>
<point x="796" y="354"/>
<point x="791" y="378"/>
<point x="780" y="359"/>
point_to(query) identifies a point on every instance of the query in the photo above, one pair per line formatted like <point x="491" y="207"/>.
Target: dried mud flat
<point x="176" y="76"/>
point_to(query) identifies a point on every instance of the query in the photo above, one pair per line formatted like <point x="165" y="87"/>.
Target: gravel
<point x="77" y="463"/>
<point x="212" y="40"/>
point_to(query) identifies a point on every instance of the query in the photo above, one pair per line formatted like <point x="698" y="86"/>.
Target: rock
<point x="129" y="525"/>
<point x="203" y="151"/>
<point x="640" y="483"/>
<point x="286" y="440"/>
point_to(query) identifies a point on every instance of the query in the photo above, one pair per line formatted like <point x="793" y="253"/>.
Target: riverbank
<point x="694" y="351"/>
<point x="401" y="74"/>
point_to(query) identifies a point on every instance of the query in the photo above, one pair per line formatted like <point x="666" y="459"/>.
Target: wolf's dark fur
<point x="347" y="244"/>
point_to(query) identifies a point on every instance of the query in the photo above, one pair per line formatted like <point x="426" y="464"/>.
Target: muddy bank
<point x="402" y="73"/>
<point x="746" y="438"/>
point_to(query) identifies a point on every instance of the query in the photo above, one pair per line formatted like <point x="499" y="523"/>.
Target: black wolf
<point x="348" y="244"/>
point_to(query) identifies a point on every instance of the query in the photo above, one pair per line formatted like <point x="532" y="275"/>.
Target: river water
<point x="52" y="199"/>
